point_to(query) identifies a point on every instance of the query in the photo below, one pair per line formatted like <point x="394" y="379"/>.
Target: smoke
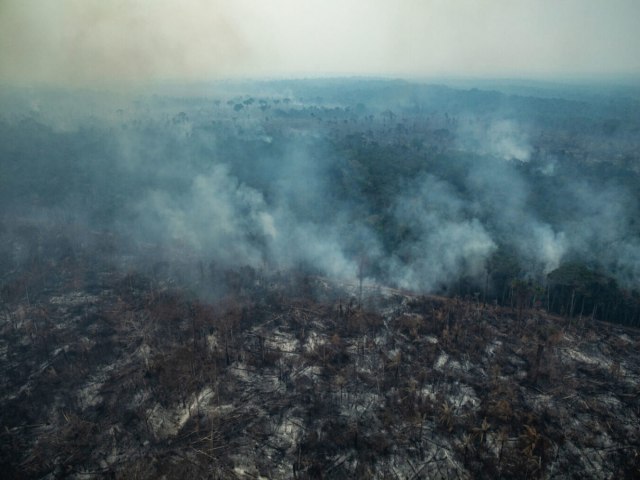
<point x="603" y="226"/>
<point x="444" y="243"/>
<point x="217" y="217"/>
<point x="501" y="195"/>
<point x="221" y="219"/>
<point x="197" y="180"/>
<point x="502" y="138"/>
<point x="125" y="43"/>
<point x="278" y="216"/>
<point x="118" y="43"/>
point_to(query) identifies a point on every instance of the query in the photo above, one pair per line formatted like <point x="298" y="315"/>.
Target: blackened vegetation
<point x="126" y="375"/>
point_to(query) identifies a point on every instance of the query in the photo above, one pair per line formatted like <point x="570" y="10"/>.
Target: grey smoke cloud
<point x="602" y="226"/>
<point x="281" y="220"/>
<point x="502" y="137"/>
<point x="92" y="42"/>
<point x="218" y="217"/>
<point x="447" y="241"/>
<point x="216" y="184"/>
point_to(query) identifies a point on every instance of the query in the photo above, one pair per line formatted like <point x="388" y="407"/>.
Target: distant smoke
<point x="118" y="43"/>
<point x="123" y="43"/>
<point x="501" y="138"/>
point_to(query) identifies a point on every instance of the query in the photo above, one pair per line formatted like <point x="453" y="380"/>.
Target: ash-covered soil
<point x="113" y="375"/>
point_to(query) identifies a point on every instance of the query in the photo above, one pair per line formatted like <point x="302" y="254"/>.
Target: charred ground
<point x="109" y="373"/>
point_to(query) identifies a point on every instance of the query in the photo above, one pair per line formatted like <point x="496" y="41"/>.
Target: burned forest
<point x="332" y="278"/>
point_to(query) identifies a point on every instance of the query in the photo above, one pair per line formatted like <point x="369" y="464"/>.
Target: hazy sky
<point x="89" y="42"/>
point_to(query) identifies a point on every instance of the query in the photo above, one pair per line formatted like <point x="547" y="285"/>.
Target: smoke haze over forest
<point x="427" y="185"/>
